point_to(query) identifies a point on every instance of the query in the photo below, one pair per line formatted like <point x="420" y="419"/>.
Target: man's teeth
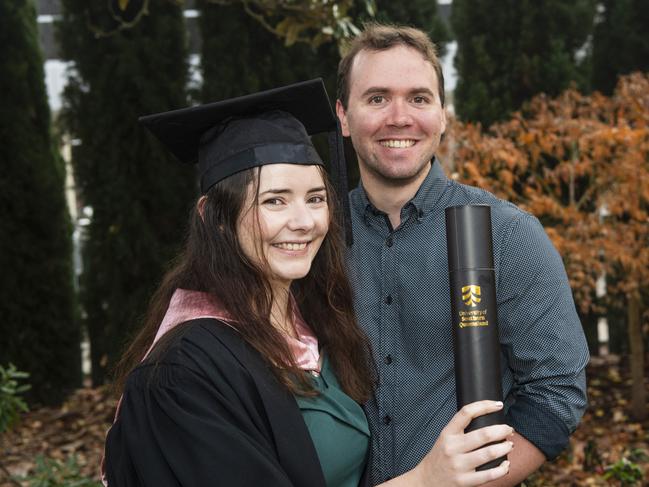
<point x="291" y="246"/>
<point x="397" y="144"/>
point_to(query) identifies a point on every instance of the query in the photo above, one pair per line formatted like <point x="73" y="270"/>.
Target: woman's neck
<point x="281" y="316"/>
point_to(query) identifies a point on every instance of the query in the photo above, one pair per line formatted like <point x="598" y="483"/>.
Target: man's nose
<point x="399" y="115"/>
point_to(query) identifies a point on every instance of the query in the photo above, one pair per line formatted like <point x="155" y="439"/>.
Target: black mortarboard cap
<point x="267" y="127"/>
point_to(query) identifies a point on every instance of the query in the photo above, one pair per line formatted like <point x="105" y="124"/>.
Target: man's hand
<point x="525" y="459"/>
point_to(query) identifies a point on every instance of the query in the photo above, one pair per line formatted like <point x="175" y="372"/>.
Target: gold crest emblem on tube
<point x="471" y="295"/>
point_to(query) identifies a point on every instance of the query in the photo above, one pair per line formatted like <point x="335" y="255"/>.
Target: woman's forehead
<point x="280" y="177"/>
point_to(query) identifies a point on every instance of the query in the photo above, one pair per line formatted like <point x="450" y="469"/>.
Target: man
<point x="391" y="103"/>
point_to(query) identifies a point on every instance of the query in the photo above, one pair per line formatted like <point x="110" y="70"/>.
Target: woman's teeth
<point x="397" y="144"/>
<point x="291" y="246"/>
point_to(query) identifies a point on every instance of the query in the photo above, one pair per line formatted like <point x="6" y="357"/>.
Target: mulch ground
<point x="605" y="436"/>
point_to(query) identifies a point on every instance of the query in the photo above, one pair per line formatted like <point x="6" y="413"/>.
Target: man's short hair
<point x="381" y="37"/>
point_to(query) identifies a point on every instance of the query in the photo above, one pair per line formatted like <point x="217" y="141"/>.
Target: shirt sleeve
<point x="180" y="429"/>
<point x="542" y="337"/>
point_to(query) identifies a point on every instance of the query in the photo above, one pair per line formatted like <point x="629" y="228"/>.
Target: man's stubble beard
<point x="379" y="172"/>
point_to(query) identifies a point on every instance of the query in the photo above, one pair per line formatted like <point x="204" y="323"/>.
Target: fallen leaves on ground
<point x="605" y="435"/>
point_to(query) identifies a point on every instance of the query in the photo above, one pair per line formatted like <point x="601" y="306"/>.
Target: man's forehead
<point x="371" y="66"/>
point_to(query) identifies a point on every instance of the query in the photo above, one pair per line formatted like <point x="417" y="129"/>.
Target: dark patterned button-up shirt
<point x="400" y="280"/>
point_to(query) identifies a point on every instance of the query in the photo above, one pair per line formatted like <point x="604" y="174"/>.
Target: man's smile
<point x="397" y="143"/>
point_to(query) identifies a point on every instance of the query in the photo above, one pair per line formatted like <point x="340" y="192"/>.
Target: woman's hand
<point x="455" y="455"/>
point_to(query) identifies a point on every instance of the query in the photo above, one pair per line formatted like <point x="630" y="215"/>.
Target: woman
<point x="252" y="366"/>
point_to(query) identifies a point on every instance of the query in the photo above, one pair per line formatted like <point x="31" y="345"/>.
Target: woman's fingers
<point x="464" y="416"/>
<point x="484" y="476"/>
<point x="486" y="454"/>
<point x="488" y="434"/>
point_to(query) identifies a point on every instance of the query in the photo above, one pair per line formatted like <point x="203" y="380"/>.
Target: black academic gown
<point x="210" y="413"/>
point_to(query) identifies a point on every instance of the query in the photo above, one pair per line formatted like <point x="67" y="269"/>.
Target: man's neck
<point x="389" y="195"/>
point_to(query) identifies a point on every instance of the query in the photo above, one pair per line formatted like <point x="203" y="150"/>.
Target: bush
<point x="53" y="473"/>
<point x="11" y="404"/>
<point x="624" y="471"/>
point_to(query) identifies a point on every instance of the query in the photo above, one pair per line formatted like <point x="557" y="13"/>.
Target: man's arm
<point x="542" y="339"/>
<point x="524" y="459"/>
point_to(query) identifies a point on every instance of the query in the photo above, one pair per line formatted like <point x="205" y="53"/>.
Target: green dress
<point x="338" y="428"/>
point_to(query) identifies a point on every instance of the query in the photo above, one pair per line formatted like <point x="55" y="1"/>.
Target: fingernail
<point x="511" y="444"/>
<point x="499" y="404"/>
<point x="506" y="465"/>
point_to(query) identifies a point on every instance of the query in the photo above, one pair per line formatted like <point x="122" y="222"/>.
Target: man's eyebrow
<point x="373" y="90"/>
<point x="423" y="89"/>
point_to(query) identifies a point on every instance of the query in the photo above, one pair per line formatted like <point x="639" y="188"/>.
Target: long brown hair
<point x="213" y="261"/>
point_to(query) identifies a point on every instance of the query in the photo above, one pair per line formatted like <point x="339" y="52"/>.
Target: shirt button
<point x="387" y="419"/>
<point x="389" y="242"/>
<point x="388" y="299"/>
<point x="387" y="359"/>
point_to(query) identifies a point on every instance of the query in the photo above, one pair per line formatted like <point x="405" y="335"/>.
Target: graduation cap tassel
<point x="339" y="176"/>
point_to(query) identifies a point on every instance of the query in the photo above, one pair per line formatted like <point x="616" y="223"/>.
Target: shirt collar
<point x="422" y="203"/>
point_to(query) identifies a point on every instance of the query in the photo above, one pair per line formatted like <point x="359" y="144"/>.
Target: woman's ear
<point x="200" y="206"/>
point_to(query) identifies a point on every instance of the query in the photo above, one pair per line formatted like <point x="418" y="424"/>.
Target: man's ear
<point x="443" y="121"/>
<point x="200" y="206"/>
<point x="342" y="116"/>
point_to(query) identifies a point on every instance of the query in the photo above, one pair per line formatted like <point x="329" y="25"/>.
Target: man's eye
<point x="420" y="100"/>
<point x="376" y="99"/>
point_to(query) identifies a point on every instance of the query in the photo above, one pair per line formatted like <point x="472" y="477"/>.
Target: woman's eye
<point x="272" y="202"/>
<point x="318" y="199"/>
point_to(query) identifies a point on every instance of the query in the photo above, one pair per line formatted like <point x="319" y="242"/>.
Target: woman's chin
<point x="286" y="274"/>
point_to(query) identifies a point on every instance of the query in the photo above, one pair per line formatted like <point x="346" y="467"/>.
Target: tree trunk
<point x="636" y="360"/>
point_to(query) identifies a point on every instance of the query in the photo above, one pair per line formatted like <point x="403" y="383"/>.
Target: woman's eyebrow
<point x="276" y="191"/>
<point x="288" y="190"/>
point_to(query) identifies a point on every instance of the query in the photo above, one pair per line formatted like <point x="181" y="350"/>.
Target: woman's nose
<point x="301" y="217"/>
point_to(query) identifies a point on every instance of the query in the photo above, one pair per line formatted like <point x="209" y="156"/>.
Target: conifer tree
<point x="620" y="42"/>
<point x="422" y="14"/>
<point x="235" y="65"/>
<point x="39" y="331"/>
<point x="139" y="194"/>
<point x="510" y="50"/>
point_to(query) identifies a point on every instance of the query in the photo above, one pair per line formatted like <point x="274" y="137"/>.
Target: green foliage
<point x="624" y="471"/>
<point x="510" y="50"/>
<point x="11" y="404"/>
<point x="620" y="42"/>
<point x="39" y="331"/>
<point x="139" y="193"/>
<point x="53" y="473"/>
<point x="311" y="22"/>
